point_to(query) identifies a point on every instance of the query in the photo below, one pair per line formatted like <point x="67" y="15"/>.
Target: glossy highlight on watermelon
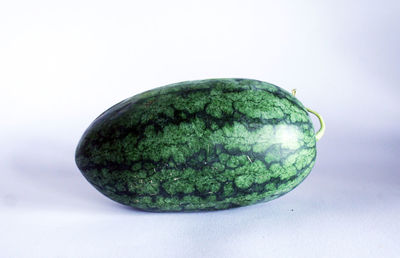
<point x="199" y="145"/>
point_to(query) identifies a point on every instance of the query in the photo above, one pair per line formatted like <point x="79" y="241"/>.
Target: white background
<point x="64" y="62"/>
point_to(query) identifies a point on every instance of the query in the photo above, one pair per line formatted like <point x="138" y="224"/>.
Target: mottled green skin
<point x="199" y="145"/>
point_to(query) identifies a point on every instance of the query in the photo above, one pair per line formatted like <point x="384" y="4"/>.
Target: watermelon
<point x="199" y="145"/>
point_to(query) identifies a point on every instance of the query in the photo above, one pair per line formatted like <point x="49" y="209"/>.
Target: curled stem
<point x="321" y="131"/>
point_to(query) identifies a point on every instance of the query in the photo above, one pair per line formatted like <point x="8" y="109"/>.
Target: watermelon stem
<point x="321" y="130"/>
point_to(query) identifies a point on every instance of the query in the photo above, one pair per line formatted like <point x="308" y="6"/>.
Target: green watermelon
<point x="199" y="145"/>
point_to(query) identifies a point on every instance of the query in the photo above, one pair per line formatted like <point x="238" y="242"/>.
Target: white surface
<point x="62" y="64"/>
